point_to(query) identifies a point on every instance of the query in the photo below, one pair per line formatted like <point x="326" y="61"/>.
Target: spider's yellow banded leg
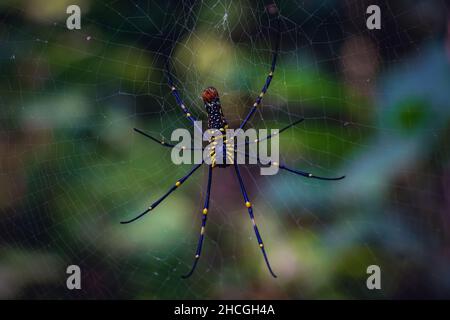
<point x="248" y="204"/>
<point x="162" y="142"/>
<point x="307" y="174"/>
<point x="202" y="230"/>
<point x="269" y="76"/>
<point x="179" y="101"/>
<point x="295" y="171"/>
<point x="172" y="189"/>
<point x="279" y="131"/>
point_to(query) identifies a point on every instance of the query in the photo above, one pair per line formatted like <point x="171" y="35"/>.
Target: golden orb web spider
<point x="216" y="120"/>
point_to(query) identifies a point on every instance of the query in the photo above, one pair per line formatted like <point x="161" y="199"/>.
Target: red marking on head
<point x="209" y="94"/>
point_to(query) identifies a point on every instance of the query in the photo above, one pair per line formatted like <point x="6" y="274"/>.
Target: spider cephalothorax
<point x="216" y="120"/>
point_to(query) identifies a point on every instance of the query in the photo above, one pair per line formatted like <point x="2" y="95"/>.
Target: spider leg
<point x="178" y="99"/>
<point x="163" y="143"/>
<point x="295" y="171"/>
<point x="280" y="131"/>
<point x="202" y="230"/>
<point x="172" y="189"/>
<point x="269" y="76"/>
<point x="309" y="175"/>
<point x="248" y="204"/>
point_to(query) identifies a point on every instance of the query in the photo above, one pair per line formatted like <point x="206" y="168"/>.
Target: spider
<point x="217" y="121"/>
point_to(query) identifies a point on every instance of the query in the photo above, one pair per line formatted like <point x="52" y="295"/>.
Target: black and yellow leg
<point x="295" y="171"/>
<point x="178" y="99"/>
<point x="280" y="131"/>
<point x="162" y="142"/>
<point x="268" y="79"/>
<point x="198" y="252"/>
<point x="307" y="174"/>
<point x="248" y="204"/>
<point x="172" y="189"/>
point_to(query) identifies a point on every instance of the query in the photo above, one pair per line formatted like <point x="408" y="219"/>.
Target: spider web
<point x="376" y="109"/>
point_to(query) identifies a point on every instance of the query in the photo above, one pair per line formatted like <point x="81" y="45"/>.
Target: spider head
<point x="210" y="94"/>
